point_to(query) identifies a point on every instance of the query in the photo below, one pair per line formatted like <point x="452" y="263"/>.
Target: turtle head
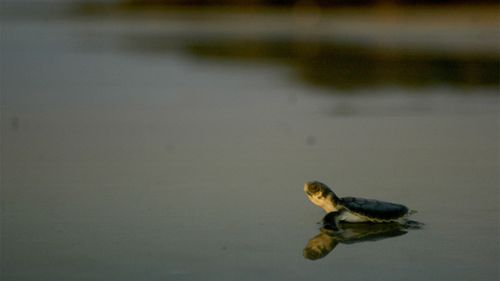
<point x="321" y="195"/>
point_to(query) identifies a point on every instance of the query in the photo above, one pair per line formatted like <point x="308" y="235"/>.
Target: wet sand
<point x="123" y="165"/>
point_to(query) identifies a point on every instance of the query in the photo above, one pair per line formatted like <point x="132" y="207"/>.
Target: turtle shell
<point x="374" y="208"/>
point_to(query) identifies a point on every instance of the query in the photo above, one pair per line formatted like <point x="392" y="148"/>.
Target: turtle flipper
<point x="331" y="221"/>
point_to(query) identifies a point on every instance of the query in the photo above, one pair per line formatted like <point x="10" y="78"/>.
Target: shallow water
<point x="119" y="164"/>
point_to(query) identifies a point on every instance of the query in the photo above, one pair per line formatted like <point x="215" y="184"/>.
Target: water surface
<point x="120" y="163"/>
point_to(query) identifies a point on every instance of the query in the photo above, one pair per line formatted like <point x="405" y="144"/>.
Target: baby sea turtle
<point x="352" y="209"/>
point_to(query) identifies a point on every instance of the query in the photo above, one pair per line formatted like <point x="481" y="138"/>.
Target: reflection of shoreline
<point x="351" y="66"/>
<point x="323" y="243"/>
<point x="335" y="65"/>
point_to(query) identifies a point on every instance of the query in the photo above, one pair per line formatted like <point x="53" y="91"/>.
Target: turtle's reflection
<point x="349" y="233"/>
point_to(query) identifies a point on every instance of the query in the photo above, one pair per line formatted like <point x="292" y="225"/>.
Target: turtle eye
<point x="313" y="188"/>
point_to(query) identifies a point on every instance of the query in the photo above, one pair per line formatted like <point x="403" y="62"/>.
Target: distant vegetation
<point x="285" y="3"/>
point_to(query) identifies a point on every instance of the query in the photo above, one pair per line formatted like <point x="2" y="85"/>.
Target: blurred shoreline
<point x="459" y="30"/>
<point x="472" y="30"/>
